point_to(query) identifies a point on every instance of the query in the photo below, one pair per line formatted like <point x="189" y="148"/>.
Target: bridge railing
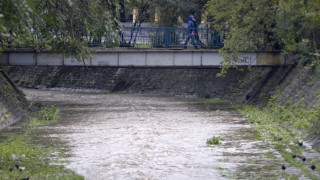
<point x="160" y="37"/>
<point x="143" y="37"/>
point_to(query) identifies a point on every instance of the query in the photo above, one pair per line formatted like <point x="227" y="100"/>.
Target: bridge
<point x="146" y="47"/>
<point x="135" y="57"/>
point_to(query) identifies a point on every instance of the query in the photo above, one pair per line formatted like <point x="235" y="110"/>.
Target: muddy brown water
<point x="138" y="136"/>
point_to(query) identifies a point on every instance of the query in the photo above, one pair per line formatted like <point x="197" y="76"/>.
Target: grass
<point x="214" y="140"/>
<point x="283" y="125"/>
<point x="269" y="155"/>
<point x="19" y="148"/>
<point x="45" y="116"/>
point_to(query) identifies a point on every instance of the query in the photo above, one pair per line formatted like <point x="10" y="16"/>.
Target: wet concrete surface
<point x="126" y="136"/>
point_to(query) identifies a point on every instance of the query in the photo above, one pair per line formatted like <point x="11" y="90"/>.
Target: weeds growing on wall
<point x="283" y="125"/>
<point x="292" y="117"/>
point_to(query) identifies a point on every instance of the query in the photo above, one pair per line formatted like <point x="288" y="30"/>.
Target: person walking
<point x="191" y="33"/>
<point x="196" y="37"/>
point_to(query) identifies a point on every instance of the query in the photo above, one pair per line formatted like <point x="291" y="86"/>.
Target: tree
<point x="14" y="21"/>
<point x="58" y="25"/>
<point x="167" y="11"/>
<point x="299" y="27"/>
<point x="290" y="26"/>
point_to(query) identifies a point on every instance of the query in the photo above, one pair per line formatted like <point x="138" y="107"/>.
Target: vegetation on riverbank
<point x="285" y="126"/>
<point x="45" y="116"/>
<point x="21" y="157"/>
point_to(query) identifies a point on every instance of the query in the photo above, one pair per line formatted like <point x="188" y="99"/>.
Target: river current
<point x="139" y="136"/>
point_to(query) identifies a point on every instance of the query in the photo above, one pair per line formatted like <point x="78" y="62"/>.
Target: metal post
<point x="212" y="39"/>
<point x="208" y="37"/>
<point x="168" y="37"/>
<point x="217" y="39"/>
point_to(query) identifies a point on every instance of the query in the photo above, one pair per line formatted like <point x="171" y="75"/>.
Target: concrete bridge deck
<point x="135" y="57"/>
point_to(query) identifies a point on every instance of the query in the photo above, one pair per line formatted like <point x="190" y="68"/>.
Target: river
<point x="139" y="136"/>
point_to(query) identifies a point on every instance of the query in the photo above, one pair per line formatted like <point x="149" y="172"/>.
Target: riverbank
<point x="289" y="128"/>
<point x="21" y="155"/>
<point x="13" y="105"/>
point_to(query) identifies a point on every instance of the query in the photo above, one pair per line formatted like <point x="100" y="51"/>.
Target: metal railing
<point x="143" y="37"/>
<point x="161" y="37"/>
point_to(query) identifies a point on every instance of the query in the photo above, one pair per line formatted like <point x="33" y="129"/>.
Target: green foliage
<point x="36" y="160"/>
<point x="214" y="140"/>
<point x="269" y="155"/>
<point x="60" y="26"/>
<point x="168" y="12"/>
<point x="44" y="116"/>
<point x="17" y="149"/>
<point x="290" y="26"/>
<point x="281" y="123"/>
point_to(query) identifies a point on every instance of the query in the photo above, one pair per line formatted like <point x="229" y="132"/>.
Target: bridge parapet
<point x="131" y="57"/>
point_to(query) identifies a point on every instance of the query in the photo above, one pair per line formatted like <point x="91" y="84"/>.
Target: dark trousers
<point x="191" y="36"/>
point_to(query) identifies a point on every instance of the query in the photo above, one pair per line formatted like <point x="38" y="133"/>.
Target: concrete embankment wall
<point x="13" y="104"/>
<point x="239" y="86"/>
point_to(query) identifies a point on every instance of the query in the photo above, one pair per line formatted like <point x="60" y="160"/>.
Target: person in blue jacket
<point x="191" y="33"/>
<point x="196" y="37"/>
